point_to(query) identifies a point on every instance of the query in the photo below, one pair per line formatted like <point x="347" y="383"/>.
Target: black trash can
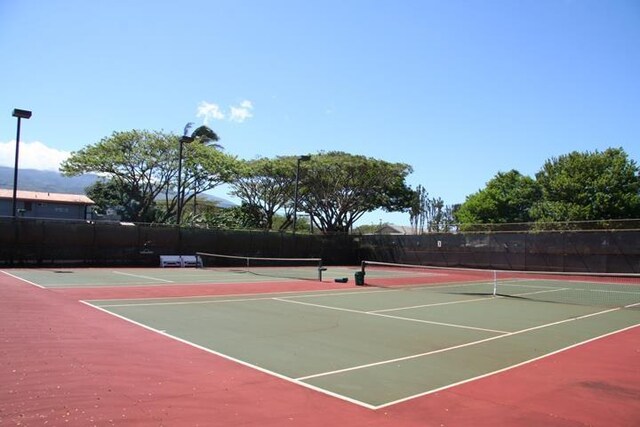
<point x="359" y="276"/>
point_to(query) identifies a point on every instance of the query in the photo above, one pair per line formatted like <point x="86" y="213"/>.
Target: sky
<point x="459" y="90"/>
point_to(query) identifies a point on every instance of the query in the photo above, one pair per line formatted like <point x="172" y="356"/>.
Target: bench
<point x="191" y="261"/>
<point x="180" y="261"/>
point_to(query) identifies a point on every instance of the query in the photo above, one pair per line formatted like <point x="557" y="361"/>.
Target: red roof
<point x="37" y="196"/>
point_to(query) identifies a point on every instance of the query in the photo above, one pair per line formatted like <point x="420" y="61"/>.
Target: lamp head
<point x="23" y="114"/>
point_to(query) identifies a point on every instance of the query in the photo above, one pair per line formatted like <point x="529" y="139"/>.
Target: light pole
<point x="295" y="197"/>
<point x="20" y="114"/>
<point x="183" y="140"/>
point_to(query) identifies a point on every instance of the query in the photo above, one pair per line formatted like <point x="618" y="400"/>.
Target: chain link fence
<point x="40" y="242"/>
<point x="604" y="251"/>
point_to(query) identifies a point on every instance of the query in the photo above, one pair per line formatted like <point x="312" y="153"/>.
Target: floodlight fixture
<point x="22" y="114"/>
<point x="19" y="114"/>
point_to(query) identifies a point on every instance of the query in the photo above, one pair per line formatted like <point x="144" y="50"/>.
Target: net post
<point x="320" y="269"/>
<point x="495" y="282"/>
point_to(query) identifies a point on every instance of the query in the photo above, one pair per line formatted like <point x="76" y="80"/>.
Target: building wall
<point x="37" y="209"/>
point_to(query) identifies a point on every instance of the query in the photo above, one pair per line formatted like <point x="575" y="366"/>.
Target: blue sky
<point x="460" y="90"/>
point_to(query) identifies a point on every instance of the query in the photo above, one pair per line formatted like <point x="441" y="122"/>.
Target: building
<point x="395" y="229"/>
<point x="34" y="204"/>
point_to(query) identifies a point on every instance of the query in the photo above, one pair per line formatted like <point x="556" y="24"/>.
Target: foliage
<point x="204" y="168"/>
<point x="418" y="209"/>
<point x="138" y="162"/>
<point x="143" y="165"/>
<point x="237" y="217"/>
<point x="229" y="219"/>
<point x="589" y="186"/>
<point x="439" y="216"/>
<point x="204" y="135"/>
<point x="112" y="194"/>
<point x="507" y="198"/>
<point x="268" y="186"/>
<point x="369" y="228"/>
<point x="429" y="212"/>
<point x="337" y="188"/>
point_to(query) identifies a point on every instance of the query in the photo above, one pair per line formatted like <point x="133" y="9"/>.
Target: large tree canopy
<point x="268" y="186"/>
<point x="145" y="165"/>
<point x="507" y="198"/>
<point x="589" y="186"/>
<point x="586" y="186"/>
<point x="337" y="188"/>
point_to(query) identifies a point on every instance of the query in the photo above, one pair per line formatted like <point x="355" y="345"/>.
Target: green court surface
<point x="370" y="345"/>
<point x="103" y="277"/>
<point x="376" y="347"/>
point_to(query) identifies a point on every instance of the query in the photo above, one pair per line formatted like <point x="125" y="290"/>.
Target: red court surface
<point x="65" y="363"/>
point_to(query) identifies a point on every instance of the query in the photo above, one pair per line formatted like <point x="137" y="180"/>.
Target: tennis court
<point x="408" y="333"/>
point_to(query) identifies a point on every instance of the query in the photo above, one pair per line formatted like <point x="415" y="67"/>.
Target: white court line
<point x="143" y="304"/>
<point x="461" y="302"/>
<point x="508" y="368"/>
<point x="435" y="304"/>
<point x="540" y="292"/>
<point x="431" y="322"/>
<point x="139" y="276"/>
<point x="300" y="381"/>
<point x="221" y="298"/>
<point x="24" y="280"/>
<point x="408" y="319"/>
<point x="233" y="359"/>
<point x="442" y="350"/>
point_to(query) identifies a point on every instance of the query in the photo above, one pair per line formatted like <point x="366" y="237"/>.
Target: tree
<point x="589" y="186"/>
<point x="112" y="194"/>
<point x="439" y="217"/>
<point x="337" y="188"/>
<point x="429" y="212"/>
<point x="418" y="209"/>
<point x="204" y="168"/>
<point x="201" y="135"/>
<point x="507" y="198"/>
<point x="204" y="135"/>
<point x="137" y="161"/>
<point x="268" y="185"/>
<point x="144" y="164"/>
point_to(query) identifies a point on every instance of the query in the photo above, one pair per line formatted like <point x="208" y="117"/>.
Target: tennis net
<point x="593" y="289"/>
<point x="293" y="268"/>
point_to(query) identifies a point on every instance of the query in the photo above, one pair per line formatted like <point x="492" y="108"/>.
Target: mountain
<point x="54" y="182"/>
<point x="45" y="181"/>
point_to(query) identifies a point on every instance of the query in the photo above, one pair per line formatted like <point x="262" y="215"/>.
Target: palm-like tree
<point x="204" y="135"/>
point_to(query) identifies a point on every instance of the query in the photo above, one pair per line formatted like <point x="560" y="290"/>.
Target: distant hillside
<point x="54" y="182"/>
<point x="46" y="181"/>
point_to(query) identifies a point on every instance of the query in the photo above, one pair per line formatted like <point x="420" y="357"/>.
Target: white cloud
<point x="209" y="111"/>
<point x="241" y="113"/>
<point x="32" y="155"/>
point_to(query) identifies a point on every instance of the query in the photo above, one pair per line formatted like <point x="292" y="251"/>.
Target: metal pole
<point x="179" y="207"/>
<point x="295" y="197"/>
<point x="305" y="158"/>
<point x="15" y="172"/>
<point x="19" y="114"/>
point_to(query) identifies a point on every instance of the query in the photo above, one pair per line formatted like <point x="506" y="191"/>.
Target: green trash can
<point x="359" y="276"/>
